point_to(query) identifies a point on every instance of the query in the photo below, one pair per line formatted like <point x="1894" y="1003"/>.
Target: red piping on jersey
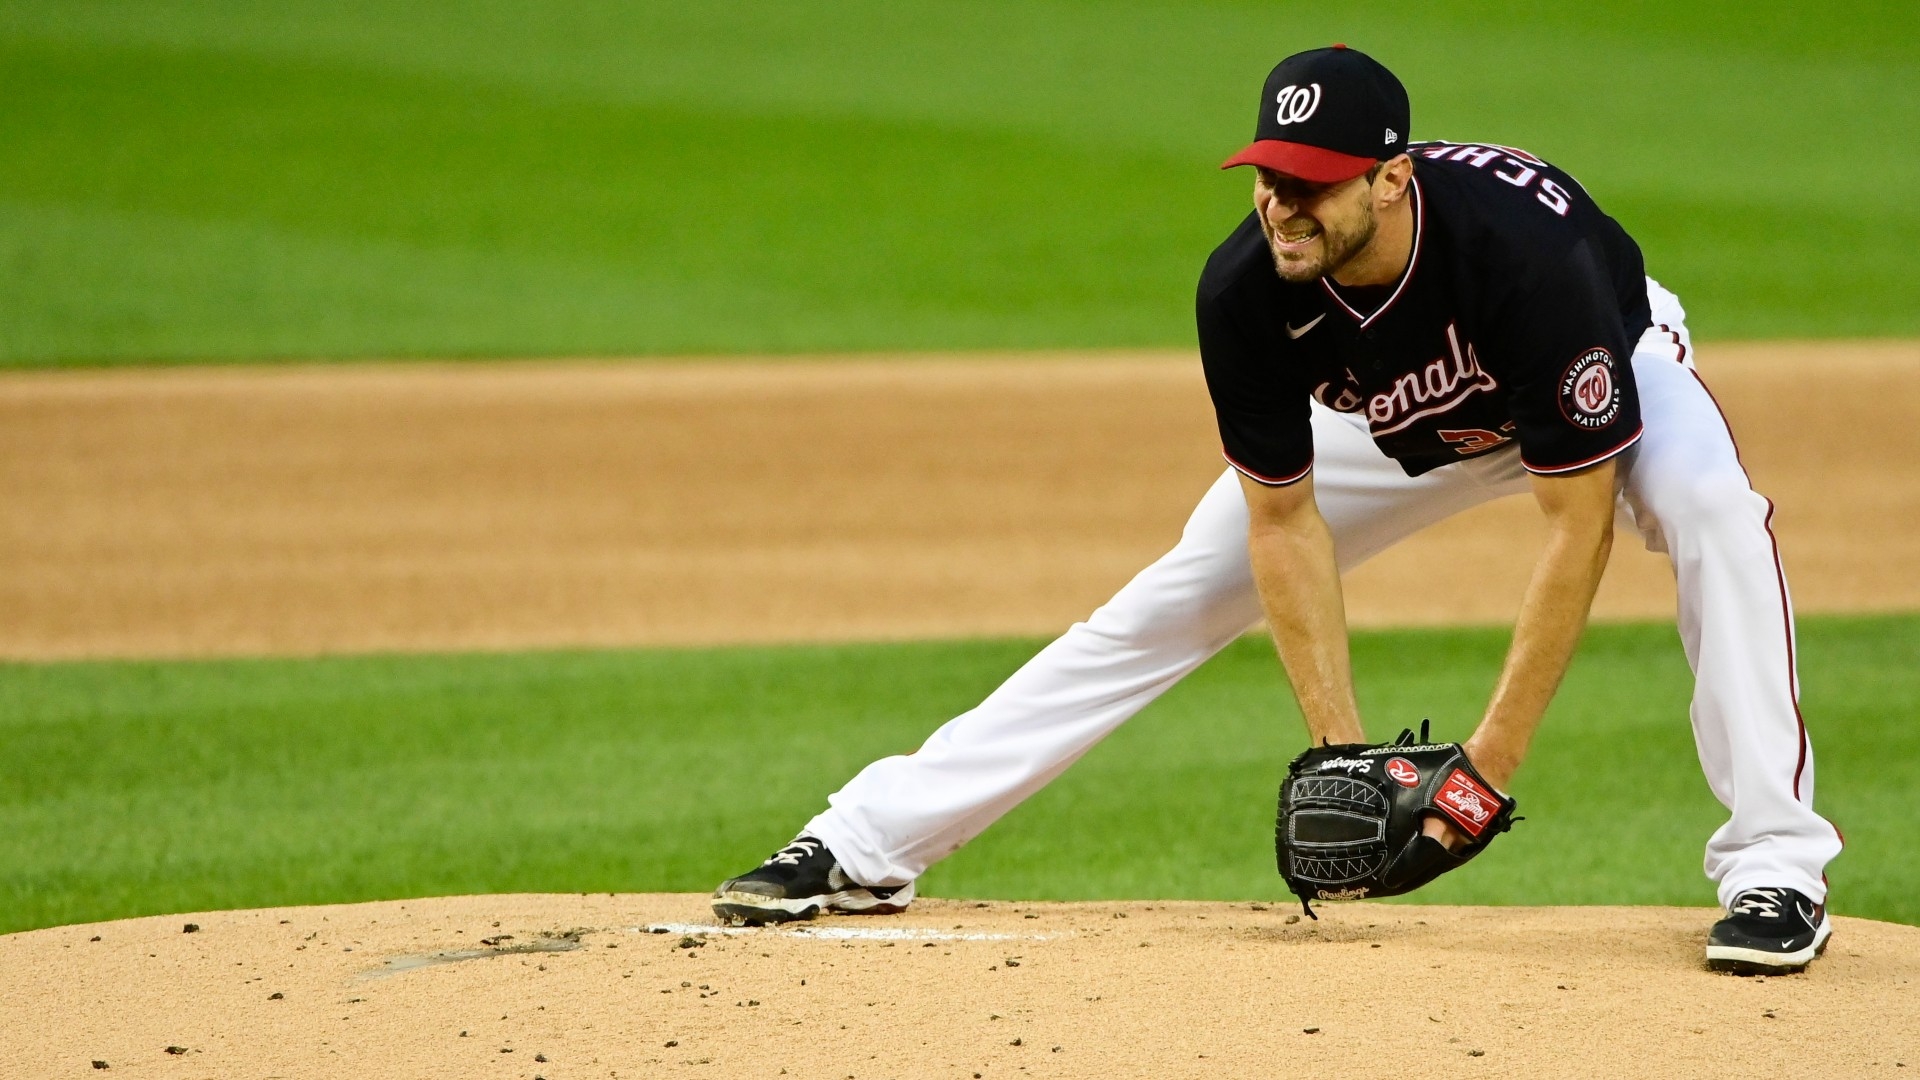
<point x="1413" y="260"/>
<point x="1269" y="481"/>
<point x="1594" y="460"/>
<point x="1780" y="576"/>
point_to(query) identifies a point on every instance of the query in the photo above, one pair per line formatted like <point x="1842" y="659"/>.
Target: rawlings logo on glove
<point x="1350" y="816"/>
<point x="1470" y="805"/>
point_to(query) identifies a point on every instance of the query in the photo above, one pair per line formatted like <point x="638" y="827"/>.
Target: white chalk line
<point x="837" y="933"/>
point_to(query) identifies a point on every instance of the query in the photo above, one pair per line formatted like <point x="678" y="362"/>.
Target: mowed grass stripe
<point x="346" y="212"/>
<point x="591" y="177"/>
<point x="138" y="788"/>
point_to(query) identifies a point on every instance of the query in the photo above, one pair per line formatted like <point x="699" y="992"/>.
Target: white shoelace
<point x="793" y="853"/>
<point x="1762" y="902"/>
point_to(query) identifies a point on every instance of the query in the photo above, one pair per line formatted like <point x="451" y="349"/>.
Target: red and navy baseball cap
<point x="1327" y="115"/>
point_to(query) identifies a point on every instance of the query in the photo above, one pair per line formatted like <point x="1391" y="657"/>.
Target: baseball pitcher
<point x="1400" y="330"/>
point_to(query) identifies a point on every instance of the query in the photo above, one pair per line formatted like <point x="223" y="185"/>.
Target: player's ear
<point x="1391" y="185"/>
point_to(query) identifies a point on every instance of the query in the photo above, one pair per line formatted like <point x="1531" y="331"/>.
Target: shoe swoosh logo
<point x="1812" y="915"/>
<point x="1310" y="324"/>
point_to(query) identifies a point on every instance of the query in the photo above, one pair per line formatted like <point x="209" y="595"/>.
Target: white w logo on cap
<point x="1297" y="103"/>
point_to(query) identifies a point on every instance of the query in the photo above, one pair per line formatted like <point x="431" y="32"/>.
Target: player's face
<point x="1313" y="229"/>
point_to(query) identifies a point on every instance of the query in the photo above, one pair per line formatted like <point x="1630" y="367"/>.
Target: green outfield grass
<point x="139" y="788"/>
<point x="234" y="179"/>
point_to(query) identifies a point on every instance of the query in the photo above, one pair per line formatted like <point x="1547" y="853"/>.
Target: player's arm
<point x="1579" y="512"/>
<point x="1293" y="566"/>
<point x="1260" y="383"/>
<point x="1563" y="345"/>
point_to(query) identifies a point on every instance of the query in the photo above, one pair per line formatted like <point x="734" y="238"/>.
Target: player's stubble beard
<point x="1335" y="246"/>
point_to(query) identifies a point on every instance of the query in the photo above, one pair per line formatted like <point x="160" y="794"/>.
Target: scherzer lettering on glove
<point x="1349" y="817"/>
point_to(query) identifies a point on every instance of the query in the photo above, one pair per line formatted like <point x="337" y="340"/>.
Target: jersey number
<point x="1473" y="440"/>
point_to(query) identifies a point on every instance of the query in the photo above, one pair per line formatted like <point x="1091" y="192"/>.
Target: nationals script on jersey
<point x="1513" y="323"/>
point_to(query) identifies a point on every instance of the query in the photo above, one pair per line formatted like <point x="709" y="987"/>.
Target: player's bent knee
<point x="1707" y="502"/>
<point x="1196" y="620"/>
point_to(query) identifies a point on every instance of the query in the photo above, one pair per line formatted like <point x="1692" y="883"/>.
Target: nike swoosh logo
<point x="1810" y="914"/>
<point x="1311" y="323"/>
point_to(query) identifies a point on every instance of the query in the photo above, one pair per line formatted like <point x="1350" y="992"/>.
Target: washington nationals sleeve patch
<point x="1589" y="391"/>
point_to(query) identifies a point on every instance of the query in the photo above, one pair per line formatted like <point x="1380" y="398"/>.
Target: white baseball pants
<point x="1682" y="488"/>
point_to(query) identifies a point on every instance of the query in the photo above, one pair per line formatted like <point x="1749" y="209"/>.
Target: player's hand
<point x="1496" y="768"/>
<point x="1444" y="831"/>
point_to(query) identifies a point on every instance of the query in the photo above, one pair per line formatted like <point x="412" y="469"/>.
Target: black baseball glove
<point x="1350" y="816"/>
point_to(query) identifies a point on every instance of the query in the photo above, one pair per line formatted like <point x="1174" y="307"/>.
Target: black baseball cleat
<point x="798" y="882"/>
<point x="1769" y="932"/>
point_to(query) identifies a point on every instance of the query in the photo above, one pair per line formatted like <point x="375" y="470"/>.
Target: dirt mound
<point x="646" y="986"/>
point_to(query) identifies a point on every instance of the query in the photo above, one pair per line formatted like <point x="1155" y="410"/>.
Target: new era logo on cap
<point x="1327" y="115"/>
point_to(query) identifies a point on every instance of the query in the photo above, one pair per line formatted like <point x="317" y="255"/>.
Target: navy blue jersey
<point x="1514" y="322"/>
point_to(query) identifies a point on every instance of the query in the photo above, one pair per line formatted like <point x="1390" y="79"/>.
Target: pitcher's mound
<point x="647" y="986"/>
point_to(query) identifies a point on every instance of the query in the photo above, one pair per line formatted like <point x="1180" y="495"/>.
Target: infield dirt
<point x="259" y="511"/>
<point x="221" y="511"/>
